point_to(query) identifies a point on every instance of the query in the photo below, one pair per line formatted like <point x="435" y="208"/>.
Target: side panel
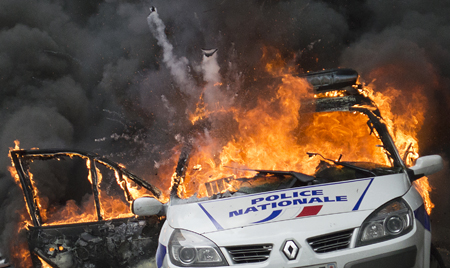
<point x="422" y="221"/>
<point x="163" y="243"/>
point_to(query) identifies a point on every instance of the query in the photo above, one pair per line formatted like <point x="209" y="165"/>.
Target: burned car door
<point x="79" y="206"/>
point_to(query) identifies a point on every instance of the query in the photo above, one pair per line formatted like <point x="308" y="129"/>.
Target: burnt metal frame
<point x="19" y="155"/>
<point x="384" y="135"/>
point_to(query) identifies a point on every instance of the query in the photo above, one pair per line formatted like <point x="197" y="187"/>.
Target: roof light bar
<point x="331" y="80"/>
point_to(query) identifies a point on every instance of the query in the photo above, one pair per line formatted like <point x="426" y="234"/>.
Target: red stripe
<point x="310" y="211"/>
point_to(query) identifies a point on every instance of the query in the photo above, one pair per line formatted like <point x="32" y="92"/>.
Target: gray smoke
<point x="178" y="66"/>
<point x="93" y="75"/>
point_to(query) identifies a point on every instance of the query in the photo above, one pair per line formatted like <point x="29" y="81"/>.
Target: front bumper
<point x="406" y="251"/>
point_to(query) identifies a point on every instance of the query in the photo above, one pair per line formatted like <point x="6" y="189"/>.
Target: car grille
<point x="331" y="242"/>
<point x="250" y="254"/>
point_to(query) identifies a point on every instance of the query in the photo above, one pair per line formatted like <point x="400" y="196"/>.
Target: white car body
<point x="275" y="218"/>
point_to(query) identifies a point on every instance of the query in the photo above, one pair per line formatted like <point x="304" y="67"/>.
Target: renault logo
<point x="290" y="249"/>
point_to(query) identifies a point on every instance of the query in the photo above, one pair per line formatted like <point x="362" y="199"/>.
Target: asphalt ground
<point x="445" y="256"/>
<point x="440" y="215"/>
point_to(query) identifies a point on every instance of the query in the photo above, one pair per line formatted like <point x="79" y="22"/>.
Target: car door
<point x="79" y="206"/>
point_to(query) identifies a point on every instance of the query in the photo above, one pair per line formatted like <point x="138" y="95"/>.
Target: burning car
<point x="354" y="210"/>
<point x="87" y="223"/>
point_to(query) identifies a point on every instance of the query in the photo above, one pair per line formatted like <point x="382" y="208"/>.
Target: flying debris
<point x="209" y="52"/>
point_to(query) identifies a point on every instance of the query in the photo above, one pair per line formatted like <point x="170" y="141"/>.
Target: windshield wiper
<point x="344" y="164"/>
<point x="299" y="176"/>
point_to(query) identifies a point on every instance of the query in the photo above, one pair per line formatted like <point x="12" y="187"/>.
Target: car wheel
<point x="436" y="260"/>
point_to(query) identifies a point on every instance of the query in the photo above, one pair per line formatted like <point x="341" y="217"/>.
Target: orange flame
<point x="272" y="138"/>
<point x="44" y="263"/>
<point x="20" y="255"/>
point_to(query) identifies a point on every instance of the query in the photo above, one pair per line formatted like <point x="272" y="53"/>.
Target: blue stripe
<point x="274" y="214"/>
<point x="160" y="254"/>
<point x="422" y="216"/>
<point x="362" y="196"/>
<point x="211" y="218"/>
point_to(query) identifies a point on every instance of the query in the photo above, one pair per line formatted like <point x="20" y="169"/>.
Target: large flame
<point x="274" y="136"/>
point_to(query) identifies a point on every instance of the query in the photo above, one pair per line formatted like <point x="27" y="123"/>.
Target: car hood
<point x="287" y="204"/>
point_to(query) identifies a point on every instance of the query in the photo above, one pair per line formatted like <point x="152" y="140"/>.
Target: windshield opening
<point x="326" y="147"/>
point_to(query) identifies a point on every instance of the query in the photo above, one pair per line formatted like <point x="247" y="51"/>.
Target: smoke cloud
<point x="107" y="76"/>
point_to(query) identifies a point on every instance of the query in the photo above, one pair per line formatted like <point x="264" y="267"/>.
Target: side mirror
<point x="426" y="165"/>
<point x="146" y="206"/>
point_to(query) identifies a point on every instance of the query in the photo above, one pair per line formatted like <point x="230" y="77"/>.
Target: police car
<point x="348" y="214"/>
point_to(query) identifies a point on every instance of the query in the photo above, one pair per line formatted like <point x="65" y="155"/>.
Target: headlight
<point x="193" y="250"/>
<point x="391" y="220"/>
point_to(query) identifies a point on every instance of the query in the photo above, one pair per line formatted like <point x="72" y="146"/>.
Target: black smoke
<point x="89" y="74"/>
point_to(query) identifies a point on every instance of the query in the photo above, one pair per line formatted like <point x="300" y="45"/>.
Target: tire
<point x="436" y="260"/>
